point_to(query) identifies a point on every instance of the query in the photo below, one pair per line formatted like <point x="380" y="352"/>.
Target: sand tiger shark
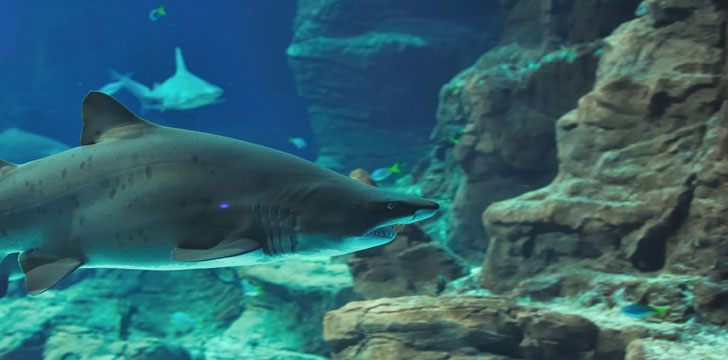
<point x="136" y="195"/>
<point x="22" y="146"/>
<point x="183" y="91"/>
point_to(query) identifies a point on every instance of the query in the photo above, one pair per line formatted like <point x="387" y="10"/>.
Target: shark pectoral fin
<point x="227" y="248"/>
<point x="106" y="118"/>
<point x="43" y="270"/>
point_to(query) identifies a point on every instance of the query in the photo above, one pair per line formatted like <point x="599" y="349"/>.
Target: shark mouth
<point x="386" y="232"/>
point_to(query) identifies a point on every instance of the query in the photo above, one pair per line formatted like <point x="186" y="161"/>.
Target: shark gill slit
<point x="282" y="230"/>
<point x="275" y="230"/>
<point x="266" y="221"/>
<point x="287" y="220"/>
<point x="292" y="230"/>
<point x="258" y="218"/>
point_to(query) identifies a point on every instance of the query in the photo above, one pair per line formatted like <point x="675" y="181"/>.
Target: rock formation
<point x="633" y="130"/>
<point x="411" y="264"/>
<point x="641" y="185"/>
<point x="496" y="119"/>
<point x="370" y="71"/>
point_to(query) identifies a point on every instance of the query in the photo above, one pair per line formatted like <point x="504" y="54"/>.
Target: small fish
<point x="455" y="139"/>
<point x="642" y="311"/>
<point x="641" y="9"/>
<point x="155" y="14"/>
<point x="181" y="318"/>
<point x="383" y="173"/>
<point x="298" y="142"/>
<point x="251" y="290"/>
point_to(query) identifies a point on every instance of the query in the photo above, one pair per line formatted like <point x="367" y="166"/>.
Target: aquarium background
<point x="577" y="150"/>
<point x="53" y="53"/>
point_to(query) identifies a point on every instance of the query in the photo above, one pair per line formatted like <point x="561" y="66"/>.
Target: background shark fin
<point x="227" y="248"/>
<point x="43" y="270"/>
<point x="105" y="118"/>
<point x="179" y="60"/>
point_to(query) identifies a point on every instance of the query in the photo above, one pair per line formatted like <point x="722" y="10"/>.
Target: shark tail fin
<point x="125" y="81"/>
<point x="112" y="87"/>
<point x="179" y="60"/>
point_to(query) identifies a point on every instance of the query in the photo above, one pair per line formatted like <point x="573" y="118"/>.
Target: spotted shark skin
<point x="137" y="195"/>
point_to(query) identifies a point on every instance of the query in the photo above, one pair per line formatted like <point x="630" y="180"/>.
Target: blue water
<point x="53" y="53"/>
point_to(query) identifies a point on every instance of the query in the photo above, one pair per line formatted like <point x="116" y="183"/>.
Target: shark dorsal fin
<point x="4" y="166"/>
<point x="106" y="118"/>
<point x="179" y="60"/>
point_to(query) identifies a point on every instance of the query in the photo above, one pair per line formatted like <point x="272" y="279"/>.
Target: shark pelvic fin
<point x="43" y="270"/>
<point x="179" y="60"/>
<point x="106" y="118"/>
<point x="227" y="248"/>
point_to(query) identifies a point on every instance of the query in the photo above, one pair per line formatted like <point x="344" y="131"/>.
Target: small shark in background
<point x="21" y="146"/>
<point x="137" y="195"/>
<point x="183" y="91"/>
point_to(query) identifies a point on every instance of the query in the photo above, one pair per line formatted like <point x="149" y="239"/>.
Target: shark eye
<point x="391" y="206"/>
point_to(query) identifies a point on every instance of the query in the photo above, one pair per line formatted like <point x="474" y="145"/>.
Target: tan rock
<point x="642" y="181"/>
<point x="450" y="327"/>
<point x="411" y="264"/>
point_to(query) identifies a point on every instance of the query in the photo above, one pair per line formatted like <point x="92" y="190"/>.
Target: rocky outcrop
<point x="462" y="327"/>
<point x="497" y="328"/>
<point x="411" y="264"/>
<point x="642" y="178"/>
<point x="473" y="327"/>
<point x="496" y="119"/>
<point x="370" y="71"/>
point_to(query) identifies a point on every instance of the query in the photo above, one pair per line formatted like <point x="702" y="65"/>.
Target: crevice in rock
<point x="661" y="101"/>
<point x="652" y="249"/>
<point x="659" y="104"/>
<point x="672" y="15"/>
<point x="527" y="248"/>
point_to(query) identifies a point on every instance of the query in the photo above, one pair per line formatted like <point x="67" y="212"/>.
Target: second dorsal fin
<point x="104" y="117"/>
<point x="6" y="167"/>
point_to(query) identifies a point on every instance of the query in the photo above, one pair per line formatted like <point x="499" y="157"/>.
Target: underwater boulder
<point x="467" y="327"/>
<point x="411" y="264"/>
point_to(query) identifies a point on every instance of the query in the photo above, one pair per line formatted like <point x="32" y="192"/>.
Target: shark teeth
<point x="383" y="232"/>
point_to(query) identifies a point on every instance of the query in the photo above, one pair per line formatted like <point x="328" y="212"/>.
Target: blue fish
<point x="642" y="311"/>
<point x="298" y="142"/>
<point x="383" y="173"/>
<point x="155" y="14"/>
<point x="181" y="318"/>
